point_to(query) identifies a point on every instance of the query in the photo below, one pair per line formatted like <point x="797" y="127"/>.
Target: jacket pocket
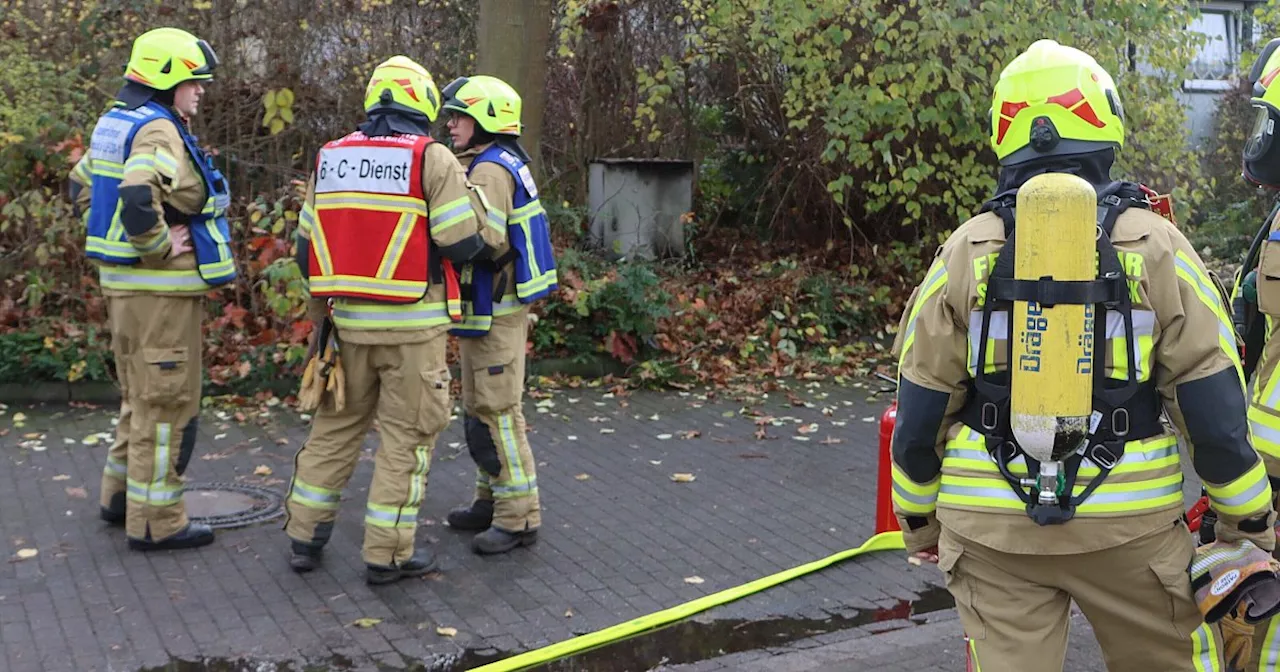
<point x="1170" y="568"/>
<point x="433" y="403"/>
<point x="950" y="551"/>
<point x="497" y="389"/>
<point x="164" y="377"/>
<point x="1269" y="278"/>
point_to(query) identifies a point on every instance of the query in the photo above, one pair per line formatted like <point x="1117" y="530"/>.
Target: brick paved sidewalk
<point x="620" y="538"/>
<point x="929" y="643"/>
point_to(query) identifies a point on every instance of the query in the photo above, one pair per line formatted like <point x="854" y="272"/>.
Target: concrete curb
<point x="107" y="392"/>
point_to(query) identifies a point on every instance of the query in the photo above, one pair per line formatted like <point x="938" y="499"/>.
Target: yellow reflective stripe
<point x="211" y="225"/>
<point x="1264" y="431"/>
<point x="314" y="496"/>
<point x="508" y="305"/>
<point x="496" y="219"/>
<point x="453" y="212"/>
<point x="376" y="316"/>
<point x="1249" y="493"/>
<point x="1269" y="658"/>
<point x="166" y="164"/>
<point x="356" y="200"/>
<point x="935" y="280"/>
<point x="116" y="231"/>
<point x="407" y="289"/>
<point x="104" y="168"/>
<point x="155" y="242"/>
<point x="381" y="515"/>
<point x="218" y="268"/>
<point x="535" y="272"/>
<point x="157" y="492"/>
<point x="115" y="468"/>
<point x="307" y="220"/>
<point x="399" y="242"/>
<point x="995" y="493"/>
<point x="1190" y="273"/>
<point x="1204" y="649"/>
<point x="914" y="497"/>
<point x="972" y="646"/>
<point x="82" y="169"/>
<point x="151" y="280"/>
<point x="140" y="163"/>
<point x="320" y="245"/>
<point x="117" y="249"/>
<point x="525" y="212"/>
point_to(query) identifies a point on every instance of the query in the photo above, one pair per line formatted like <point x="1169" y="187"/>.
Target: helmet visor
<point x="1261" y="136"/>
<point x="211" y="61"/>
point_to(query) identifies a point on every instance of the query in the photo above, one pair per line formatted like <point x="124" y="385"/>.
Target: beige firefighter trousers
<point x="492" y="390"/>
<point x="157" y="346"/>
<point x="406" y="387"/>
<point x="1137" y="596"/>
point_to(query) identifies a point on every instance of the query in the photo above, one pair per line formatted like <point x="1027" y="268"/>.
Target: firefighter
<point x="155" y="209"/>
<point x="1102" y="521"/>
<point x="484" y="124"/>
<point x="388" y="216"/>
<point x="1256" y="304"/>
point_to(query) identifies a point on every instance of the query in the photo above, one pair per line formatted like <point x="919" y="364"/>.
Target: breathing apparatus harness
<point x="1121" y="412"/>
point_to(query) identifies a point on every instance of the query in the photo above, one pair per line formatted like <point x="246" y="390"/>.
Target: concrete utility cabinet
<point x="636" y="206"/>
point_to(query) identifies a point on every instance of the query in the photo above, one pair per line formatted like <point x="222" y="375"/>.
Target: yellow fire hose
<point x="885" y="541"/>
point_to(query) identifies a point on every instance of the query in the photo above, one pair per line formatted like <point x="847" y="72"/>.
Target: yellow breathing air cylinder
<point x="1052" y="367"/>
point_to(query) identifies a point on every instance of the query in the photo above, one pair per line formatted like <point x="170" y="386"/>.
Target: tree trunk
<point x="513" y="36"/>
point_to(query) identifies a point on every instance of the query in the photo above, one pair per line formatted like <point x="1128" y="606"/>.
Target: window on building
<point x="1217" y="61"/>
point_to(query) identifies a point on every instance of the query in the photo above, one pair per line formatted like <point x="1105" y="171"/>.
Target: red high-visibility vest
<point x="370" y="239"/>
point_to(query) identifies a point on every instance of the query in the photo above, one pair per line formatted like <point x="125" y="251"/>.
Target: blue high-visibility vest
<point x="529" y="233"/>
<point x="107" y="240"/>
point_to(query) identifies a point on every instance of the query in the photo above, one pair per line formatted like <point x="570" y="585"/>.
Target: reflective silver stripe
<point x="444" y="217"/>
<point x="376" y="285"/>
<point x="165" y="496"/>
<point x="973" y="491"/>
<point x="397" y="205"/>
<point x="968" y="454"/>
<point x="999" y="331"/>
<point x="405" y="315"/>
<point x="116" y="467"/>
<point x="138" y="492"/>
<point x="1133" y="495"/>
<point x="923" y="500"/>
<point x="1204" y="649"/>
<point x="188" y="280"/>
<point x="497" y="219"/>
<point x="1271" y="647"/>
<point x="308" y="494"/>
<point x="1244" y="497"/>
<point x="1264" y="432"/>
<point x="406" y="516"/>
<point x="1218" y="556"/>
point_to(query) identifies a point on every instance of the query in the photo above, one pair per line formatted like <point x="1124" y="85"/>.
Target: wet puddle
<point x="687" y="641"/>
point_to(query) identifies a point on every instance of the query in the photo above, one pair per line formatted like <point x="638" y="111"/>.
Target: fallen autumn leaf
<point x="683" y="478"/>
<point x="366" y="622"/>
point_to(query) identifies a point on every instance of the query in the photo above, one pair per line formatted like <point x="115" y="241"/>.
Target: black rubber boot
<point x="304" y="557"/>
<point x="423" y="561"/>
<point x="115" y="513"/>
<point x="493" y="540"/>
<point x="193" y="535"/>
<point x="474" y="518"/>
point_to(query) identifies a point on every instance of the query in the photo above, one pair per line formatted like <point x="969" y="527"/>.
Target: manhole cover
<point x="225" y="505"/>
